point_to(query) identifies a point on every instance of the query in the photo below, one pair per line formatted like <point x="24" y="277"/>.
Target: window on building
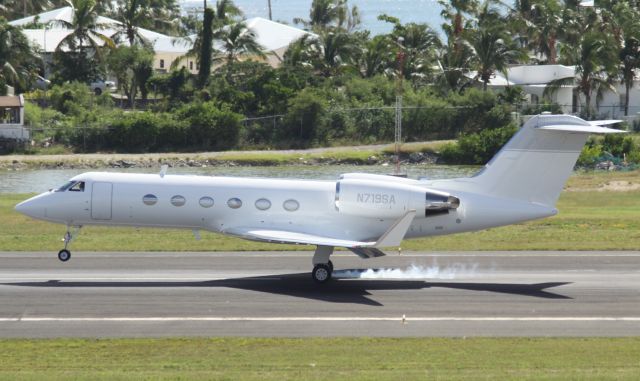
<point x="161" y="64"/>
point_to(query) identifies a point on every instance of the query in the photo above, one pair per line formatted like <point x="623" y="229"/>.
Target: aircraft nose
<point x="31" y="208"/>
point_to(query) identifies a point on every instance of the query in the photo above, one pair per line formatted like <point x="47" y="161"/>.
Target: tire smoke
<point x="449" y="272"/>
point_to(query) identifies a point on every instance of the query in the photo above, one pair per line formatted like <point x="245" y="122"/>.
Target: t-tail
<point x="536" y="163"/>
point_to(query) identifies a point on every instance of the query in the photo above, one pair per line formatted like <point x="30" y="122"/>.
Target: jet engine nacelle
<point x="384" y="199"/>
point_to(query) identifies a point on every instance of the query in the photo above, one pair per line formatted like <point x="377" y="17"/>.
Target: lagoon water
<point x="40" y="180"/>
<point x="420" y="11"/>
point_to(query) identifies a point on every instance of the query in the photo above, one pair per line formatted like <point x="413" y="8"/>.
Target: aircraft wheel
<point x="321" y="273"/>
<point x="64" y="255"/>
<point x="330" y="266"/>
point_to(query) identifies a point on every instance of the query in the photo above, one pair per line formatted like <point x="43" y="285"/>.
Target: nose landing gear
<point x="64" y="254"/>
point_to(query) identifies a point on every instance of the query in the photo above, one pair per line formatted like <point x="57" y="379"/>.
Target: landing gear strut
<point x="323" y="267"/>
<point x="64" y="254"/>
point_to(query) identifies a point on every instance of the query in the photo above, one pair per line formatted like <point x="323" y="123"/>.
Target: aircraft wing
<point x="392" y="237"/>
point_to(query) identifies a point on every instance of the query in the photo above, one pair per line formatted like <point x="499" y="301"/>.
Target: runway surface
<point x="272" y="294"/>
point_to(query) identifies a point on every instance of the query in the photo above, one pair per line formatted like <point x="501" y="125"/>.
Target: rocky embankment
<point x="94" y="161"/>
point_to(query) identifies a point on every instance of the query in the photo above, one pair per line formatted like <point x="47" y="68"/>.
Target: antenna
<point x="163" y="170"/>
<point x="398" y="130"/>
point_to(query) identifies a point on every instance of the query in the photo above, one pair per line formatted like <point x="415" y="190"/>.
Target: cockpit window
<point x="65" y="186"/>
<point x="72" y="186"/>
<point x="77" y="187"/>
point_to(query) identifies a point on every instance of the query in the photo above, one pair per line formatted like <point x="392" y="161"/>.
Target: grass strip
<point x="322" y="359"/>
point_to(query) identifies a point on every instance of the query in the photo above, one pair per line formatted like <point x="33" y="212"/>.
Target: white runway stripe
<point x="318" y="319"/>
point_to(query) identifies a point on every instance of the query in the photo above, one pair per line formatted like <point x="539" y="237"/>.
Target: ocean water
<point x="420" y="11"/>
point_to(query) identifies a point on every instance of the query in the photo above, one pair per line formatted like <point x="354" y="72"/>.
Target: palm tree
<point x="376" y="56"/>
<point x="419" y="44"/>
<point x="331" y="13"/>
<point x="237" y="40"/>
<point x="86" y="29"/>
<point x="135" y="14"/>
<point x="17" y="59"/>
<point x="13" y="9"/>
<point x="131" y="14"/>
<point x="455" y="61"/>
<point x="335" y="49"/>
<point x="226" y="13"/>
<point x="300" y="52"/>
<point x="454" y="11"/>
<point x="595" y="61"/>
<point x="492" y="45"/>
<point x="492" y="52"/>
<point x="542" y="26"/>
<point x="630" y="59"/>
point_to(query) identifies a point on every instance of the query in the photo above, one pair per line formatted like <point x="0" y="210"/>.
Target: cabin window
<point x="206" y="202"/>
<point x="178" y="200"/>
<point x="234" y="203"/>
<point x="291" y="205"/>
<point x="149" y="199"/>
<point x="77" y="187"/>
<point x="263" y="204"/>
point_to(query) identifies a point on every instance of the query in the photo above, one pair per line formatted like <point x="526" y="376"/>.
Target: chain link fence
<point x="345" y="126"/>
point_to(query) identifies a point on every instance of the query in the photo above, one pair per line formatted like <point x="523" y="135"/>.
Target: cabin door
<point x="101" y="194"/>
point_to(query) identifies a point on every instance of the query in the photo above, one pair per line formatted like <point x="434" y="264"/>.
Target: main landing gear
<point x="323" y="267"/>
<point x="64" y="254"/>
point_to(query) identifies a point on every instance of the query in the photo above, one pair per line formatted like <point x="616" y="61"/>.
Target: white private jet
<point x="360" y="212"/>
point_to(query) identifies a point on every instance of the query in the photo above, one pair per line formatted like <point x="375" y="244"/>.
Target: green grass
<point x="322" y="359"/>
<point x="588" y="220"/>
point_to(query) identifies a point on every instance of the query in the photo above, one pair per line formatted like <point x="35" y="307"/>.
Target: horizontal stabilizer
<point x="592" y="129"/>
<point x="604" y="122"/>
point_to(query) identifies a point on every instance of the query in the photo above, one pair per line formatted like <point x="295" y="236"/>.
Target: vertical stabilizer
<point x="536" y="163"/>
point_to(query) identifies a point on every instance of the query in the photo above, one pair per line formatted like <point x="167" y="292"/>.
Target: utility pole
<point x="269" y="2"/>
<point x="398" y="131"/>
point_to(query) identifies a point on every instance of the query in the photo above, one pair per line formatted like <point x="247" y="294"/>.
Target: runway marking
<point x="35" y="319"/>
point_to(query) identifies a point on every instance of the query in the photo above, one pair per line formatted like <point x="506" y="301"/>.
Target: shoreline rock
<point x="147" y="162"/>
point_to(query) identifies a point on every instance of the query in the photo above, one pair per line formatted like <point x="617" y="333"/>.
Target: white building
<point x="274" y="37"/>
<point x="12" y="119"/>
<point x="534" y="80"/>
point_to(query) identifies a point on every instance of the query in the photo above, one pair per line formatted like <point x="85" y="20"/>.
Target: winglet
<point x="397" y="231"/>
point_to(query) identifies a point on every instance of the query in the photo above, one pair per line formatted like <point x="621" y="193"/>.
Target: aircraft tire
<point x="321" y="273"/>
<point x="64" y="255"/>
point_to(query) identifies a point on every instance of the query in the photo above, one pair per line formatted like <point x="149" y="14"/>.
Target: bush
<point x="618" y="145"/>
<point x="210" y="127"/>
<point x="71" y="97"/>
<point x="589" y="156"/>
<point x="305" y="121"/>
<point x="477" y="148"/>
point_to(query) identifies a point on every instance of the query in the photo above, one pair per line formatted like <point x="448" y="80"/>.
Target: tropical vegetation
<point x="336" y="85"/>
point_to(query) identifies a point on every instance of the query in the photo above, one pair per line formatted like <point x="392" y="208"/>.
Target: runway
<point x="272" y="294"/>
